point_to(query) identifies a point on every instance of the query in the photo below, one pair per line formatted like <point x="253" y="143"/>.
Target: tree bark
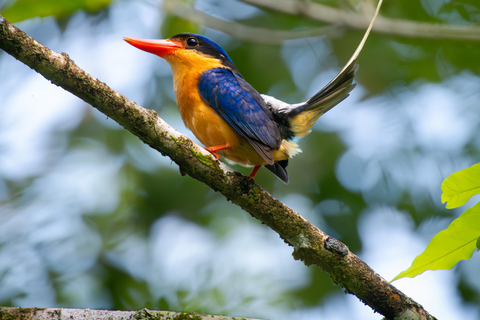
<point x="87" y="314"/>
<point x="310" y="244"/>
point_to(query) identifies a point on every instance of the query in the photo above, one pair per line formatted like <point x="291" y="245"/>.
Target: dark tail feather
<point x="279" y="169"/>
<point x="303" y="117"/>
<point x="344" y="78"/>
<point x="339" y="87"/>
<point x="330" y="95"/>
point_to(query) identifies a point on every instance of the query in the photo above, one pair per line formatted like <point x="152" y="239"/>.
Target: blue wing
<point x="241" y="107"/>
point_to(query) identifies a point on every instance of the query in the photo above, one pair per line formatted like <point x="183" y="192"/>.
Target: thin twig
<point x="356" y="20"/>
<point x="241" y="31"/>
<point x="337" y="18"/>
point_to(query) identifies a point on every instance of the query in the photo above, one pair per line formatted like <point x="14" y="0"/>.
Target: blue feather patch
<point x="242" y="108"/>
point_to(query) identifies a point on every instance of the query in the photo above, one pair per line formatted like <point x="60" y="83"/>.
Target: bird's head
<point x="186" y="48"/>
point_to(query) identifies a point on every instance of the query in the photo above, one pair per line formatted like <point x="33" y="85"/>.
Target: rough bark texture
<point x="311" y="245"/>
<point x="87" y="314"/>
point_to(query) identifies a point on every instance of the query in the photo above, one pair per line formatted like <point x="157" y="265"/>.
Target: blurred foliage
<point x="116" y="258"/>
<point x="27" y="9"/>
<point x="170" y="24"/>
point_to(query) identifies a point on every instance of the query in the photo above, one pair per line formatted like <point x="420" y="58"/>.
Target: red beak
<point x="161" y="48"/>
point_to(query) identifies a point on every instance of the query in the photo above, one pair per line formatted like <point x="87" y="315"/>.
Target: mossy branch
<point x="311" y="245"/>
<point x="71" y="314"/>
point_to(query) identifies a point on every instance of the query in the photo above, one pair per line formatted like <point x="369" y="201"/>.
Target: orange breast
<point x="203" y="120"/>
<point x="212" y="130"/>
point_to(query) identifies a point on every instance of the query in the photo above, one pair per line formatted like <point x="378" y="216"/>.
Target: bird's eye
<point x="192" y="42"/>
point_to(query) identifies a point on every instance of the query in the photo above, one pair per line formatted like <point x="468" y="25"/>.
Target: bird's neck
<point x="187" y="67"/>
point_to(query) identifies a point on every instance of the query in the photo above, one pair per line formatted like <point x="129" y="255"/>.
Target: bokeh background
<point x="90" y="217"/>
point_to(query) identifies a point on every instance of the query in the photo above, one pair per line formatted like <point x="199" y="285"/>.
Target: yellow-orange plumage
<point x="205" y="123"/>
<point x="228" y="115"/>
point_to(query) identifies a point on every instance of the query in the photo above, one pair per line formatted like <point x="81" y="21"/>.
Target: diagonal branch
<point x="311" y="245"/>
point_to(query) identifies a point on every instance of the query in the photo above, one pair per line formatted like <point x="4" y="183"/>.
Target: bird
<point x="228" y="116"/>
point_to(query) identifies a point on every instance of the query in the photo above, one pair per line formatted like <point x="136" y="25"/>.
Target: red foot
<point x="254" y="172"/>
<point x="213" y="150"/>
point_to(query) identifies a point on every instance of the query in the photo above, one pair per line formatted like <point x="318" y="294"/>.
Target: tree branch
<point x="87" y="314"/>
<point x="311" y="245"/>
<point x="241" y="31"/>
<point x="400" y="27"/>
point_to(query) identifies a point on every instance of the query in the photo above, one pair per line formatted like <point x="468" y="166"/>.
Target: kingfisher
<point x="228" y="116"/>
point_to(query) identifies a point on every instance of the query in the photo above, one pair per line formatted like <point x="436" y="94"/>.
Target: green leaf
<point x="461" y="186"/>
<point x="448" y="247"/>
<point x="26" y="9"/>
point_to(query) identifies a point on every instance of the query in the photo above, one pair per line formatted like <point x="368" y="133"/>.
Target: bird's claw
<point x="213" y="150"/>
<point x="216" y="155"/>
